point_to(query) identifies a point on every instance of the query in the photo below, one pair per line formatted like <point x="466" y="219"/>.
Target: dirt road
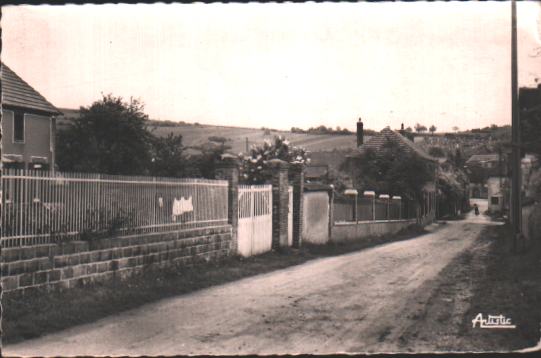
<point x="360" y="302"/>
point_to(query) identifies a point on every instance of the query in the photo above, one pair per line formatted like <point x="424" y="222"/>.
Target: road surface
<point x="359" y="302"/>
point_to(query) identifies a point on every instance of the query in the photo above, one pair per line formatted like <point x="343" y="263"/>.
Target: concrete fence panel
<point x="316" y="217"/>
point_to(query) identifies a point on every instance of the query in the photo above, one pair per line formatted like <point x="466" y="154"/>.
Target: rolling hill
<point x="198" y="134"/>
<point x="237" y="137"/>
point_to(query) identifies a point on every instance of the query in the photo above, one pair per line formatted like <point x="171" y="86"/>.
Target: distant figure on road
<point x="476" y="208"/>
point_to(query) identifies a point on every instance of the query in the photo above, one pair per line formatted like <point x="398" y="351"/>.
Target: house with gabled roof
<point x="481" y="167"/>
<point x="426" y="211"/>
<point x="28" y="125"/>
<point x="386" y="135"/>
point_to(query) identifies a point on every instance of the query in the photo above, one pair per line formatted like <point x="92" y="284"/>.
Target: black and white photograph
<point x="313" y="178"/>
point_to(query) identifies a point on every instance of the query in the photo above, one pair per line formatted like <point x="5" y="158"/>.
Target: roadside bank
<point x="490" y="280"/>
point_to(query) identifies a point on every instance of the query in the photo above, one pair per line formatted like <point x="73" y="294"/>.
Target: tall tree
<point x="432" y="129"/>
<point x="110" y="137"/>
<point x="204" y="164"/>
<point x="392" y="171"/>
<point x="530" y="118"/>
<point x="419" y="128"/>
<point x="168" y="156"/>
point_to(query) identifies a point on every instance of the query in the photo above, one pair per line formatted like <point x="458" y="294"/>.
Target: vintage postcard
<point x="270" y="179"/>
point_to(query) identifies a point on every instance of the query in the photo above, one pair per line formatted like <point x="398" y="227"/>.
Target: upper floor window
<point x="18" y="127"/>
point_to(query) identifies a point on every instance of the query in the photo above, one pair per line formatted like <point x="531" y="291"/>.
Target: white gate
<point x="255" y="219"/>
<point x="290" y="218"/>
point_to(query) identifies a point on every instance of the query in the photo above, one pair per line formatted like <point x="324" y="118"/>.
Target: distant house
<point x="28" y="125"/>
<point x="377" y="142"/>
<point x="480" y="167"/>
<point x="427" y="211"/>
<point x="488" y="161"/>
<point x="498" y="194"/>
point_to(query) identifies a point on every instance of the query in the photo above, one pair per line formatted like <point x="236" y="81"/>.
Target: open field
<point x="196" y="135"/>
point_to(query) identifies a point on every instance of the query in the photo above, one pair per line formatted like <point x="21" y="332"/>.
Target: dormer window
<point x="18" y="127"/>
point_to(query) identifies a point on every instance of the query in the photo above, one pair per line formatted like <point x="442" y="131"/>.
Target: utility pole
<point x="515" y="188"/>
<point x="500" y="175"/>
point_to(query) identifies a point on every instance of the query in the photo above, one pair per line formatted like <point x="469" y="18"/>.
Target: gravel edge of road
<point x="40" y="312"/>
<point x="487" y="279"/>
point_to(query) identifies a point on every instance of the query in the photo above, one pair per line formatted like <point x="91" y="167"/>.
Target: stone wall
<point x="72" y="264"/>
<point x="353" y="231"/>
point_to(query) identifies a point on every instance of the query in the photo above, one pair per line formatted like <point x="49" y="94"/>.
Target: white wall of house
<point x="496" y="193"/>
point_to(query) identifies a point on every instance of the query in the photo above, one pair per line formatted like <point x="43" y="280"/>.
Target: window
<point x="18" y="127"/>
<point x="494" y="200"/>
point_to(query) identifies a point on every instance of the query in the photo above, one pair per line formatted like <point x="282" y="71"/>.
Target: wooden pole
<point x="516" y="190"/>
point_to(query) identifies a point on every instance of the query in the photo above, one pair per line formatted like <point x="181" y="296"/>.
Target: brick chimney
<point x="402" y="130"/>
<point x="360" y="133"/>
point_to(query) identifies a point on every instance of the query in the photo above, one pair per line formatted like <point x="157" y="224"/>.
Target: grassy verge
<point x="510" y="285"/>
<point x="39" y="312"/>
<point x="488" y="279"/>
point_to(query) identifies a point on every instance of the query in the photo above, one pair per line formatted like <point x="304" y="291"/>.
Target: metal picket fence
<point x="41" y="207"/>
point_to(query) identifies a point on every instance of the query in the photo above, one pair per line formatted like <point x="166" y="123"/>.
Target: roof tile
<point x="16" y="92"/>
<point x="387" y="134"/>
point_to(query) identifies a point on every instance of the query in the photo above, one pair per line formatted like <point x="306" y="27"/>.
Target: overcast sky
<point x="281" y="65"/>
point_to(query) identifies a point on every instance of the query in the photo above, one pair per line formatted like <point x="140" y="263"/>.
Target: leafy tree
<point x="452" y="185"/>
<point x="419" y="128"/>
<point x="392" y="171"/>
<point x="531" y="129"/>
<point x="203" y="164"/>
<point x="432" y="129"/>
<point x="455" y="128"/>
<point x="110" y="137"/>
<point x="457" y="158"/>
<point x="437" y="152"/>
<point x="168" y="156"/>
<point x="254" y="166"/>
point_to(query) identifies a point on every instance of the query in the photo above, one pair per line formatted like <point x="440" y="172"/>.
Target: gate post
<point x="331" y="210"/>
<point x="297" y="180"/>
<point x="228" y="169"/>
<point x="280" y="202"/>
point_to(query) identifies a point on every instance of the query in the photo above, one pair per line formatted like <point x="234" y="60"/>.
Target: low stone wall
<point x="72" y="264"/>
<point x="352" y="231"/>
